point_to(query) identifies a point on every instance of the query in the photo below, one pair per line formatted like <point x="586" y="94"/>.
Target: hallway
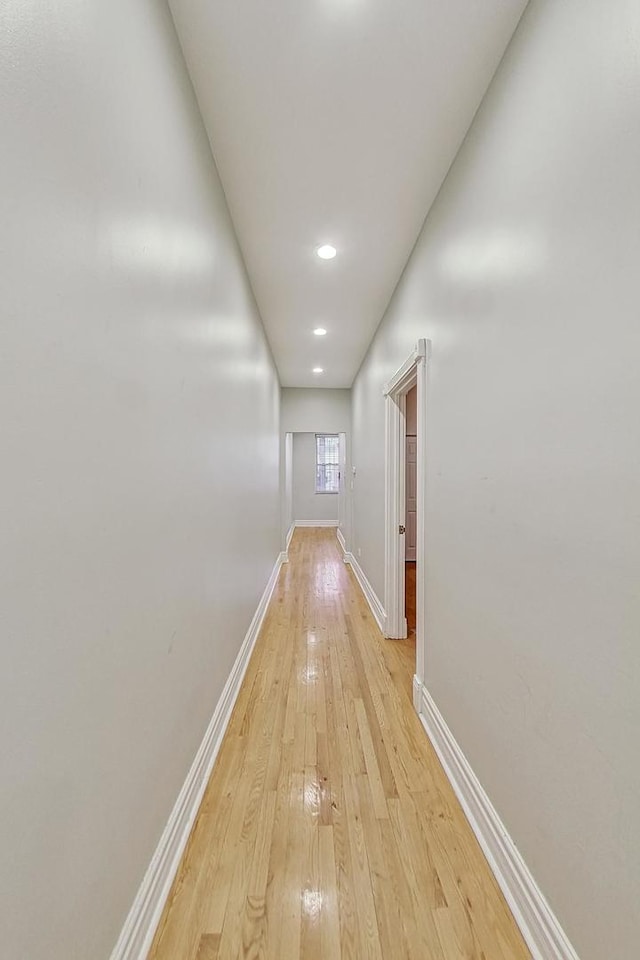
<point x="328" y="828"/>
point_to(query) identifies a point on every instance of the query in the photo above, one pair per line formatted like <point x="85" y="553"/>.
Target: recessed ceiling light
<point x="326" y="252"/>
<point x="318" y="370"/>
<point x="320" y="331"/>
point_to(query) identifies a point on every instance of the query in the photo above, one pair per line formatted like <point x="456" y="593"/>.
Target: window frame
<point x="324" y="465"/>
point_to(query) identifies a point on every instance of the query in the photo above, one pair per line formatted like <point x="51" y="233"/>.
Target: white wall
<point x="309" y="506"/>
<point x="315" y="411"/>
<point x="526" y="280"/>
<point x="139" y="483"/>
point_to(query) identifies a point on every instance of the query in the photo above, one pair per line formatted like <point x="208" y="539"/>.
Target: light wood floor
<point x="328" y="829"/>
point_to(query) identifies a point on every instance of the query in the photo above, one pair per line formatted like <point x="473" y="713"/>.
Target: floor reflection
<point x="326" y="577"/>
<point x="312" y="903"/>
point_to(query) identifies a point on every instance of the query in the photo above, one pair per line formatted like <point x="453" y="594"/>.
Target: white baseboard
<point x="315" y="523"/>
<point x="370" y="595"/>
<point x="141" y="924"/>
<point x="341" y="540"/>
<point x="417" y="695"/>
<point x="538" y="924"/>
<point x="288" y="542"/>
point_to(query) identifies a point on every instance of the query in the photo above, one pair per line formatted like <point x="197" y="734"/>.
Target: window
<point x="327" y="463"/>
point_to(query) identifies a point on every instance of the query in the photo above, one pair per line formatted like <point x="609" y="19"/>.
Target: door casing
<point x="413" y="372"/>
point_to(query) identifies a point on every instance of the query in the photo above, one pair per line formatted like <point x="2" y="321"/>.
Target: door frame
<point x="413" y="372"/>
<point x="407" y="548"/>
<point x="286" y="493"/>
<point x="344" y="505"/>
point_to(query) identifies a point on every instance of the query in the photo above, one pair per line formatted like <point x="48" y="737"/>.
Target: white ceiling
<point x="335" y="121"/>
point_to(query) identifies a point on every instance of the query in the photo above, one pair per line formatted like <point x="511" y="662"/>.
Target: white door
<point x="411" y="498"/>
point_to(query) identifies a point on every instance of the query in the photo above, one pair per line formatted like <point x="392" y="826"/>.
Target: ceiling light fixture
<point x="326" y="252"/>
<point x="320" y="331"/>
<point x="318" y="370"/>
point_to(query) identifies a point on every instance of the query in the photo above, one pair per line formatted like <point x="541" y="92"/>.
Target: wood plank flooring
<point x="328" y="829"/>
<point x="410" y="597"/>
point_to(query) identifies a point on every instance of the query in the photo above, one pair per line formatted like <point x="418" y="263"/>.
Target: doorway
<point x="342" y="520"/>
<point x="411" y="507"/>
<point x="405" y="463"/>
